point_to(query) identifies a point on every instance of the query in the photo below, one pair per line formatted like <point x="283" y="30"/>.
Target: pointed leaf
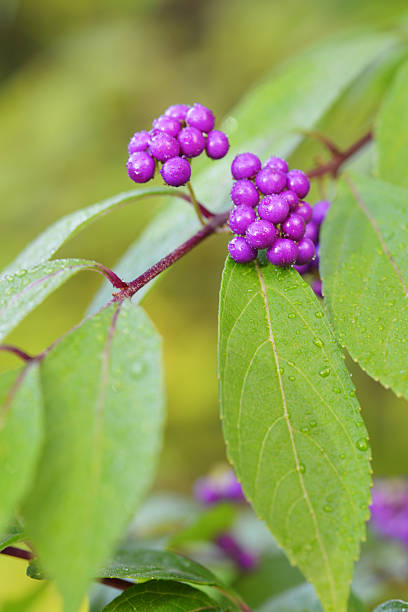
<point x="21" y="433"/>
<point x="365" y="276"/>
<point x="392" y="132"/>
<point x="163" y="596"/>
<point x="21" y="292"/>
<point x="47" y="243"/>
<point x="292" y="424"/>
<point x="103" y="405"/>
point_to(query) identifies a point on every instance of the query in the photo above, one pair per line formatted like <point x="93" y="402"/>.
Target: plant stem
<point x="195" y="203"/>
<point x="332" y="167"/>
<point x="14" y="349"/>
<point x="215" y="222"/>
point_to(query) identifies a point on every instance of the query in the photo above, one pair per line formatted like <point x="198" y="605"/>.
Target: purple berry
<point x="294" y="227"/>
<point x="291" y="198"/>
<point x="178" y="111"/>
<point x="319" y="211"/>
<point x="261" y="234"/>
<point x="277" y="163"/>
<point x="273" y="208"/>
<point x="303" y="269"/>
<point x="167" y="124"/>
<point x="306" y="250"/>
<point x="283" y="253"/>
<point x="244" y="193"/>
<point x="217" y="144"/>
<point x="304" y="210"/>
<point x="245" y="165"/>
<point x="240" y="219"/>
<point x="163" y="146"/>
<point x="311" y="231"/>
<point x="201" y="118"/>
<point x="140" y="167"/>
<point x="139" y="142"/>
<point x="316" y="259"/>
<point x="176" y="171"/>
<point x="205" y="492"/>
<point x="240" y="250"/>
<point x="317" y="288"/>
<point x="192" y="142"/>
<point x="298" y="182"/>
<point x="270" y="181"/>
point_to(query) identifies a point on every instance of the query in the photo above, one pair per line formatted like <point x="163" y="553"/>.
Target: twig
<point x="14" y="349"/>
<point x="332" y="167"/>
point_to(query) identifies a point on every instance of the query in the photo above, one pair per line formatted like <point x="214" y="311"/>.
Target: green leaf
<point x="392" y="132"/>
<point x="365" y="276"/>
<point x="102" y="389"/>
<point x="21" y="292"/>
<point x="143" y="564"/>
<point x="302" y="598"/>
<point x="47" y="243"/>
<point x="21" y="433"/>
<point x="394" y="605"/>
<point x="292" y="424"/>
<point x="207" y="526"/>
<point x="163" y="596"/>
<point x="14" y="533"/>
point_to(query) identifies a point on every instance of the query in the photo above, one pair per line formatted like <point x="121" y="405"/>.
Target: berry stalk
<point x="195" y="203"/>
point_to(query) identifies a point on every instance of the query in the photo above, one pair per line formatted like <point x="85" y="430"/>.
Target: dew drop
<point x="313" y="423"/>
<point x="342" y="456"/>
<point x="292" y="378"/>
<point x="319" y="314"/>
<point x="328" y="508"/>
<point x="324" y="373"/>
<point x="318" y="342"/>
<point x="302" y="468"/>
<point x="21" y="273"/>
<point x="281" y="370"/>
<point x="337" y="390"/>
<point x="362" y="444"/>
<point x="305" y="429"/>
<point x="291" y="363"/>
<point x="291" y="315"/>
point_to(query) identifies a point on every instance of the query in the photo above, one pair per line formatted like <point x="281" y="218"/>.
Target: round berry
<point x="273" y="208"/>
<point x="176" y="171"/>
<point x="240" y="250"/>
<point x="244" y="192"/>
<point x="304" y="210"/>
<point x="163" y="146"/>
<point x="192" y="142"/>
<point x="317" y="288"/>
<point x="303" y="269"/>
<point x="294" y="227"/>
<point x="261" y="234"/>
<point x="277" y="163"/>
<point x="139" y="142"/>
<point x="298" y="182"/>
<point x="178" y="111"/>
<point x="312" y="231"/>
<point x="245" y="165"/>
<point x="306" y="250"/>
<point x="291" y="198"/>
<point x="316" y="259"/>
<point x="167" y="124"/>
<point x="240" y="219"/>
<point x="217" y="144"/>
<point x="319" y="211"/>
<point x="282" y="253"/>
<point x="201" y="118"/>
<point x="270" y="181"/>
<point x="140" y="167"/>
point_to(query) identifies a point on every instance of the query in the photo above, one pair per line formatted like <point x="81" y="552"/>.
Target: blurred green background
<point x="77" y="78"/>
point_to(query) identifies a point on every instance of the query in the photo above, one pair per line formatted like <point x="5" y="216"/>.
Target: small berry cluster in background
<point x="389" y="509"/>
<point x="183" y="132"/>
<point x="269" y="212"/>
<point x="319" y="212"/>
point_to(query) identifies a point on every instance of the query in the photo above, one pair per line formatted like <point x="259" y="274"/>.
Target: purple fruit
<point x="303" y="269"/>
<point x="192" y="141"/>
<point x="261" y="234"/>
<point x="306" y="250"/>
<point x="283" y="253"/>
<point x="178" y="111"/>
<point x="317" y="288"/>
<point x="319" y="211"/>
<point x="163" y="146"/>
<point x="139" y="142"/>
<point x="312" y="231"/>
<point x="244" y="192"/>
<point x="294" y="227"/>
<point x="176" y="171"/>
<point x="277" y="163"/>
<point x="140" y="167"/>
<point x="298" y="182"/>
<point x="245" y="165"/>
<point x="304" y="210"/>
<point x="169" y="125"/>
<point x="270" y="181"/>
<point x="273" y="208"/>
<point x="291" y="198"/>
<point x="201" y="118"/>
<point x="217" y="144"/>
<point x="240" y="219"/>
<point x="240" y="250"/>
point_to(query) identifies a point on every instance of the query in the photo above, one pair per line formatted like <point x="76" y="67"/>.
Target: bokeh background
<point x="77" y="78"/>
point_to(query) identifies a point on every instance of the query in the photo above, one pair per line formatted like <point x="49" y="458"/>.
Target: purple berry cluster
<point x="183" y="132"/>
<point x="270" y="212"/>
<point x="218" y="486"/>
<point x="319" y="212"/>
<point x="389" y="509"/>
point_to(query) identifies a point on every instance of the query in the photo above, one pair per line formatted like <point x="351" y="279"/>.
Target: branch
<point x="333" y="166"/>
<point x="14" y="349"/>
<point x="216" y="222"/>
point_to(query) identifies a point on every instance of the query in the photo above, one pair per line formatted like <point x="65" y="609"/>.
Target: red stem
<point x="14" y="349"/>
<point x="332" y="167"/>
